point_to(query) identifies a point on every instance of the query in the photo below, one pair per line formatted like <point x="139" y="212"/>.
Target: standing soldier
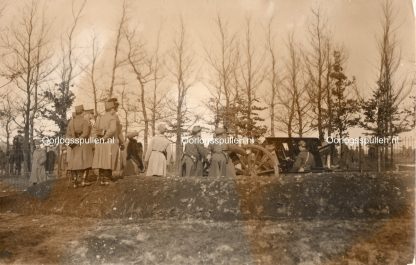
<point x="18" y="152"/>
<point x="78" y="129"/>
<point x="221" y="163"/>
<point x="158" y="153"/>
<point x="193" y="155"/>
<point x="88" y="148"/>
<point x="218" y="164"/>
<point x="106" y="154"/>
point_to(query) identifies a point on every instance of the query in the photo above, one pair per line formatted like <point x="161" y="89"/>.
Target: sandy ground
<point x="52" y="239"/>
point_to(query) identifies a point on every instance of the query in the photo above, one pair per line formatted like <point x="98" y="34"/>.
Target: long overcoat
<point x="80" y="128"/>
<point x="193" y="155"/>
<point x="106" y="155"/>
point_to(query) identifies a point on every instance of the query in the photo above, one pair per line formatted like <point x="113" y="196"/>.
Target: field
<point x="296" y="219"/>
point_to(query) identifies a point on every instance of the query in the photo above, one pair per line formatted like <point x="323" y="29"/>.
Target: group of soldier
<point x="106" y="156"/>
<point x="108" y="159"/>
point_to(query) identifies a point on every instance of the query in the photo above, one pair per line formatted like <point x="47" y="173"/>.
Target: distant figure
<point x="221" y="164"/>
<point x="3" y="162"/>
<point x="38" y="173"/>
<point x="193" y="155"/>
<point x="134" y="163"/>
<point x="305" y="160"/>
<point x="158" y="153"/>
<point x="17" y="157"/>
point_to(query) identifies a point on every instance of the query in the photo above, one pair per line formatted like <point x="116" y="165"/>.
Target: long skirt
<point x="157" y="164"/>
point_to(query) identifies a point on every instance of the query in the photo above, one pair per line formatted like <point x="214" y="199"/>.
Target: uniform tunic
<point x="38" y="173"/>
<point x="154" y="154"/>
<point x="218" y="165"/>
<point x="88" y="150"/>
<point x="191" y="164"/>
<point x="79" y="128"/>
<point x="106" y="154"/>
<point x="304" y="160"/>
<point x="221" y="164"/>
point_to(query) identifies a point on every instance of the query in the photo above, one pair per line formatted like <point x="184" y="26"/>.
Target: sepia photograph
<point x="186" y="132"/>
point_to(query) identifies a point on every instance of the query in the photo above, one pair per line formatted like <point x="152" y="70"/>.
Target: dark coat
<point x="135" y="152"/>
<point x="192" y="159"/>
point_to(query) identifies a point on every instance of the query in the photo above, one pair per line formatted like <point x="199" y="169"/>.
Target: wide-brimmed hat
<point x="196" y="129"/>
<point x="162" y="128"/>
<point x="219" y="131"/>
<point x="109" y="105"/>
<point x="114" y="100"/>
<point x="132" y="134"/>
<point x="79" y="109"/>
<point x="302" y="143"/>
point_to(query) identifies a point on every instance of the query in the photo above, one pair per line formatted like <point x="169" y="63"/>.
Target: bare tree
<point x="383" y="115"/>
<point x="273" y="77"/>
<point x="316" y="64"/>
<point x="182" y="72"/>
<point x="252" y="76"/>
<point x="91" y="71"/>
<point x="117" y="62"/>
<point x="223" y="63"/>
<point x="141" y="65"/>
<point x="28" y="62"/>
<point x="158" y="76"/>
<point x="292" y="98"/>
<point x="61" y="95"/>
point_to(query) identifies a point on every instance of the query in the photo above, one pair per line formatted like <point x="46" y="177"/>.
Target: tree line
<point x="256" y="87"/>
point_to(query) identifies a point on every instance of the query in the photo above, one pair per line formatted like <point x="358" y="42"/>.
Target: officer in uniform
<point x="193" y="155"/>
<point x="88" y="148"/>
<point x="79" y="128"/>
<point x="305" y="160"/>
<point x="106" y="154"/>
<point x="221" y="164"/>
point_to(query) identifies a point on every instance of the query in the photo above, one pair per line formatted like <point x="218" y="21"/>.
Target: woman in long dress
<point x="158" y="153"/>
<point x="38" y="173"/>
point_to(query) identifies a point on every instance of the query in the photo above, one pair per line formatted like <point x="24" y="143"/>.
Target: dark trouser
<point x="105" y="174"/>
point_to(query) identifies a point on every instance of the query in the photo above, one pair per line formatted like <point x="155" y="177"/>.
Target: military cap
<point x="79" y="109"/>
<point x="302" y="143"/>
<point x="161" y="128"/>
<point x="109" y="105"/>
<point x="132" y="134"/>
<point x="196" y="129"/>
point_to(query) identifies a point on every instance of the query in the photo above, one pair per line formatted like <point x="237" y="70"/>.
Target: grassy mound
<point x="324" y="195"/>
